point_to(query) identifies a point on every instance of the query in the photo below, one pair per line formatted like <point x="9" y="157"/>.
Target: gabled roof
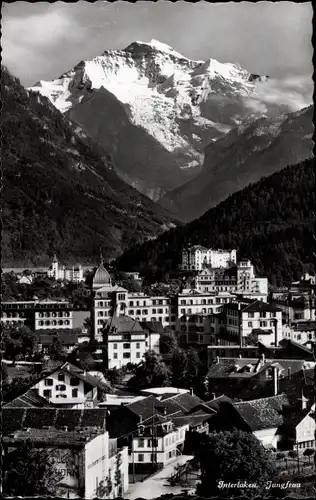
<point x="31" y="399"/>
<point x="153" y="326"/>
<point x="236" y="367"/>
<point x="185" y="402"/>
<point x="15" y="419"/>
<point x="123" y="324"/>
<point x="215" y="403"/>
<point x="265" y="413"/>
<point x="147" y="407"/>
<point x="291" y="421"/>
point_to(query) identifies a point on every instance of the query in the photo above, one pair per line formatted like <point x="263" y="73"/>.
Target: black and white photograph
<point x="158" y="250"/>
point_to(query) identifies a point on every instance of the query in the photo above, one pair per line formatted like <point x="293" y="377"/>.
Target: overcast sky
<point x="42" y="40"/>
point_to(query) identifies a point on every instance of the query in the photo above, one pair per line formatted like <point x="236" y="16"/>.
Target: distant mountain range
<point x="60" y="190"/>
<point x="244" y="155"/>
<point x="271" y="222"/>
<point x="155" y="110"/>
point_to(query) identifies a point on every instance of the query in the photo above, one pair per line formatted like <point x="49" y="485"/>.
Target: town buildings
<point x="194" y="258"/>
<point x="239" y="278"/>
<point x="247" y="322"/>
<point x="59" y="272"/>
<point x="70" y="387"/>
<point x="38" y="314"/>
<point x="125" y="341"/>
<point x="86" y="461"/>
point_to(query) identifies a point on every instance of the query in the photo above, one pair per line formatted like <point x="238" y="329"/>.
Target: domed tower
<point x="101" y="277"/>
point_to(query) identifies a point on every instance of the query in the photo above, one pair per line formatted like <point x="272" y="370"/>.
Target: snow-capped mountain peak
<point x="183" y="104"/>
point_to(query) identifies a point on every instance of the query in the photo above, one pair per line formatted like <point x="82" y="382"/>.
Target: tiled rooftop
<point x="263" y="413"/>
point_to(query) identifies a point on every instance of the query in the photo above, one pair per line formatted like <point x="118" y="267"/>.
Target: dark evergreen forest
<point x="271" y="222"/>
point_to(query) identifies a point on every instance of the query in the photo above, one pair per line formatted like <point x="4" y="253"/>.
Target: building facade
<point x="59" y="272"/>
<point x="69" y="387"/>
<point x="38" y="314"/>
<point x="243" y="323"/>
<point x="194" y="258"/>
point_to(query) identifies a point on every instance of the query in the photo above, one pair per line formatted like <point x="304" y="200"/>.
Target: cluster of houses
<point x="96" y="436"/>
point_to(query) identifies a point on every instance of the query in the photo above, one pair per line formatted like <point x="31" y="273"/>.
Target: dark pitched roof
<point x="153" y="326"/>
<point x="14" y="419"/>
<point x="193" y="419"/>
<point x="292" y="420"/>
<point x="82" y="375"/>
<point x="215" y="403"/>
<point x="185" y="402"/>
<point x="30" y="399"/>
<point x="237" y="367"/>
<point x="262" y="413"/>
<point x="145" y="408"/>
<point x="53" y="436"/>
<point x="123" y="324"/>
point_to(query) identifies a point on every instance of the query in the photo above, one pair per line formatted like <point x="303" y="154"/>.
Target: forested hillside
<point x="60" y="193"/>
<point x="271" y="222"/>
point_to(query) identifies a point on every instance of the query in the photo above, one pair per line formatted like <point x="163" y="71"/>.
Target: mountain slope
<point x="60" y="191"/>
<point x="270" y="222"/>
<point x="179" y="103"/>
<point x="244" y="155"/>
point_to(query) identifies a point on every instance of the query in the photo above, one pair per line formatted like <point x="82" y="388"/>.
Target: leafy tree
<point x="16" y="387"/>
<point x="151" y="372"/>
<point x="309" y="452"/>
<point x="28" y="472"/>
<point x="168" y="343"/>
<point x="18" y="340"/>
<point x="233" y="457"/>
<point x="56" y="351"/>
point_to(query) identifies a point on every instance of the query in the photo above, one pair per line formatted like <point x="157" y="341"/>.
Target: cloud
<point x="291" y="93"/>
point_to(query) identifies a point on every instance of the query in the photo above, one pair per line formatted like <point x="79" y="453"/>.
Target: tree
<point x="56" y="351"/>
<point x="233" y="457"/>
<point x="152" y="372"/>
<point x="309" y="452"/>
<point x="18" y="340"/>
<point x="28" y="472"/>
<point x="168" y="343"/>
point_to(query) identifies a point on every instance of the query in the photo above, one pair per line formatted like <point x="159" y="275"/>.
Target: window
<point x="140" y="457"/>
<point x="250" y="324"/>
<point x="141" y="443"/>
<point x="115" y="355"/>
<point x="138" y="355"/>
<point x="145" y="311"/>
<point x="131" y="303"/>
<point x="75" y="393"/>
<point x="263" y="324"/>
<point x="47" y="393"/>
<point x="61" y="387"/>
<point x="121" y="296"/>
<point x="160" y="311"/>
<point x="114" y="346"/>
<point x="131" y="312"/>
<point x="251" y="315"/>
<point x="48" y="382"/>
<point x="126" y="346"/>
<point x="138" y="312"/>
<point x="127" y="336"/>
<point x="126" y="355"/>
<point x="61" y="377"/>
<point x="263" y="314"/>
<point x="74" y="381"/>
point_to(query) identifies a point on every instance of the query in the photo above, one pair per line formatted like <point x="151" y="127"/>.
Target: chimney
<point x="275" y="381"/>
<point x="217" y="360"/>
<point x="165" y="410"/>
<point x="191" y="391"/>
<point x="263" y="359"/>
<point x="289" y="373"/>
<point x="213" y="395"/>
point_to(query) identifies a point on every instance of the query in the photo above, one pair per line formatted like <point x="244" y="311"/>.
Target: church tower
<point x="55" y="266"/>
